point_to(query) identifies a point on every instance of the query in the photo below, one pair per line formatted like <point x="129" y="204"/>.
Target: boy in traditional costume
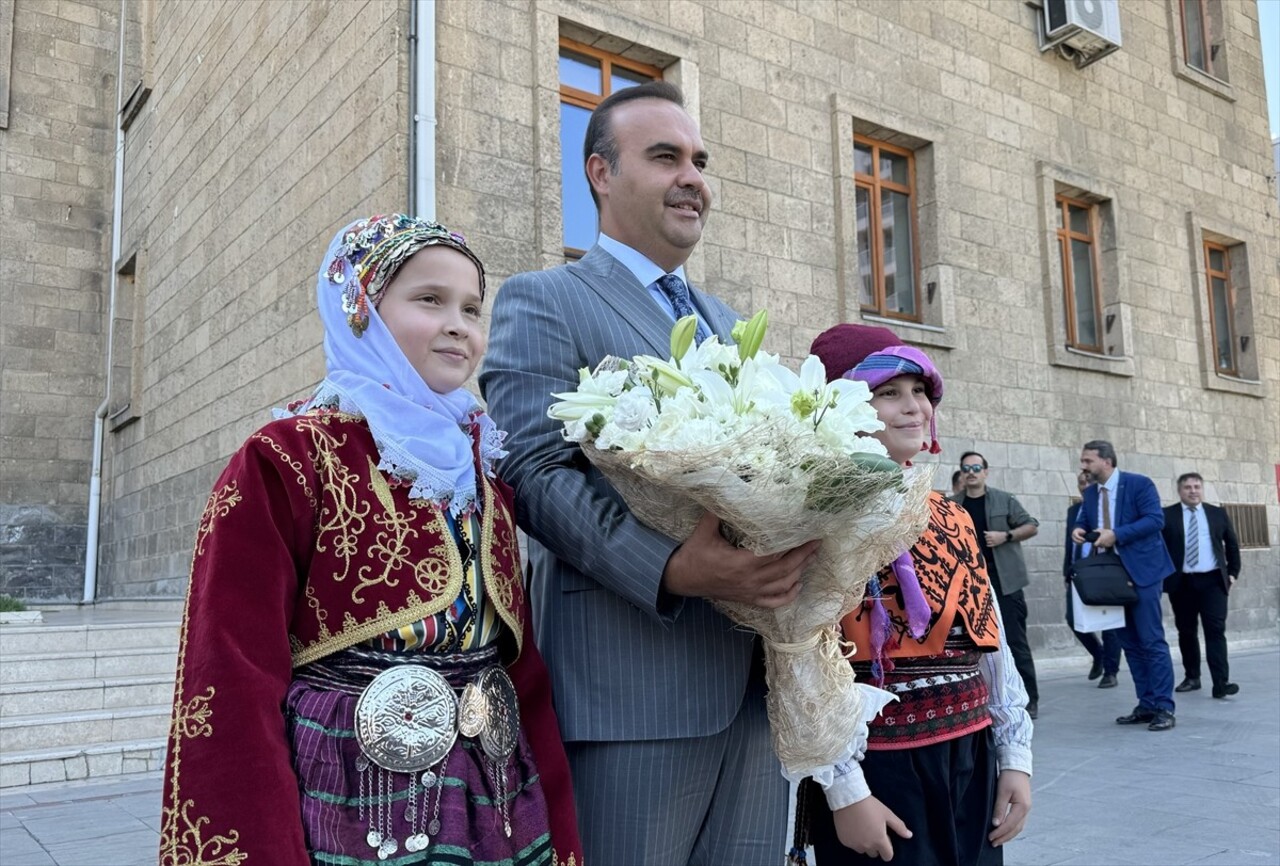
<point x="356" y="678"/>
<point x="945" y="761"/>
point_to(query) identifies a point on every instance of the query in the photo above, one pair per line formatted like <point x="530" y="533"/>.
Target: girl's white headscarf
<point x="423" y="438"/>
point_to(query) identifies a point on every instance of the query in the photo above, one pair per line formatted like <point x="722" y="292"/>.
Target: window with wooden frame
<point x="1081" y="290"/>
<point x="884" y="179"/>
<point x="1222" y="308"/>
<point x="1250" y="524"/>
<point x="1202" y="37"/>
<point x="587" y="76"/>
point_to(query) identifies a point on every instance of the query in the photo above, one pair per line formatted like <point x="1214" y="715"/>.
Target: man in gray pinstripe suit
<point x="660" y="698"/>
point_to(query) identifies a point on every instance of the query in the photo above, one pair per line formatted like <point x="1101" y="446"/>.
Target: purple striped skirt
<point x="460" y="809"/>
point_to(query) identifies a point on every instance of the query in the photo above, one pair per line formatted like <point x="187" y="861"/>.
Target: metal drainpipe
<point x="422" y="145"/>
<point x="100" y="416"/>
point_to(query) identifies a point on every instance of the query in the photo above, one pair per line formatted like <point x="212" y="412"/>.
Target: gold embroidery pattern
<point x="439" y="575"/>
<point x="572" y="861"/>
<point x="188" y="847"/>
<point x="499" y="578"/>
<point x="322" y="615"/>
<point x="342" y="516"/>
<point x="182" y="837"/>
<point x="191" y="720"/>
<point x="221" y="501"/>
<point x="288" y="460"/>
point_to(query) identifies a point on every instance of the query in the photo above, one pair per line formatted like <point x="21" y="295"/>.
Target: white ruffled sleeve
<point x="843" y="781"/>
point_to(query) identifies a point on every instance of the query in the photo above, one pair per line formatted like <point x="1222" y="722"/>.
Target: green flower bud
<point x="752" y="335"/>
<point x="682" y="336"/>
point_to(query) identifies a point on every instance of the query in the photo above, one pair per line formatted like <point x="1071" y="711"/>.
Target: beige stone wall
<point x="779" y="89"/>
<point x="269" y="123"/>
<point x="55" y="227"/>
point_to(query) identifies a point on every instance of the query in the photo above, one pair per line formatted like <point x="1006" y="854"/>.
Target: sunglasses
<point x="975" y="468"/>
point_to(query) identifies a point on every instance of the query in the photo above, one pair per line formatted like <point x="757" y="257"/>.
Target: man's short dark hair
<point x="600" y="139"/>
<point x="1104" y="449"/>
<point x="974" y="454"/>
<point x="955" y="477"/>
<point x="1185" y="476"/>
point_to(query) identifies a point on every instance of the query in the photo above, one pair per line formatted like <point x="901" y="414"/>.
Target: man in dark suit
<point x="1125" y="510"/>
<point x="661" y="700"/>
<point x="1202" y="543"/>
<point x="1106" y="653"/>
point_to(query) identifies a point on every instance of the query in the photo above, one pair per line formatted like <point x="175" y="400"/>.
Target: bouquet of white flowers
<point x="781" y="458"/>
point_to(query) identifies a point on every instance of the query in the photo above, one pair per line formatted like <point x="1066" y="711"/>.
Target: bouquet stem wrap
<point x="865" y="519"/>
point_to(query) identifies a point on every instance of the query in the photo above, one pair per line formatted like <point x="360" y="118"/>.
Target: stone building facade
<point x="254" y="128"/>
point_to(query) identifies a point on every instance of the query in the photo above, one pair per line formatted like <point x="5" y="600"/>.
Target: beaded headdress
<point x="373" y="249"/>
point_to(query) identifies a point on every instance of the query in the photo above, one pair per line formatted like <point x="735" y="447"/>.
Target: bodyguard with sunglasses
<point x="1002" y="525"/>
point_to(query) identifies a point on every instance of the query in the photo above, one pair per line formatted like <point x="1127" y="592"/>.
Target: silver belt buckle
<point x="407" y="718"/>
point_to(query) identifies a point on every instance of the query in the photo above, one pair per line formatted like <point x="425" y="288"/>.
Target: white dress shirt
<point x="1202" y="543"/>
<point x="1112" y="486"/>
<point x="648" y="274"/>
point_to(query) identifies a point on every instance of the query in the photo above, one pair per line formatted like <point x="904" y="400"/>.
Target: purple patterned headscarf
<point x="893" y="361"/>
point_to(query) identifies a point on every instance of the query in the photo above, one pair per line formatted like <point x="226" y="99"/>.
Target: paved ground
<point x="1207" y="792"/>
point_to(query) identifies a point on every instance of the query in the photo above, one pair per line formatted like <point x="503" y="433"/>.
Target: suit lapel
<point x="619" y="288"/>
<point x="720" y="323"/>
<point x="1178" y="531"/>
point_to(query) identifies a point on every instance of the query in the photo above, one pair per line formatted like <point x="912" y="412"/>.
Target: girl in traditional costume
<point x="941" y="776"/>
<point x="356" y="679"/>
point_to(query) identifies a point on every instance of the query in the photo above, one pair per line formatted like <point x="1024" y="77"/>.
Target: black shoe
<point x="1162" y="721"/>
<point x="1140" y="716"/>
<point x="1190" y="684"/>
<point x="1033" y="709"/>
<point x="1096" y="670"/>
<point x="1220" y="692"/>
<point x="1108" y="681"/>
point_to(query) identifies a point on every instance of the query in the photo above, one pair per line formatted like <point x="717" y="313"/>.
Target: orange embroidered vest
<point x="953" y="577"/>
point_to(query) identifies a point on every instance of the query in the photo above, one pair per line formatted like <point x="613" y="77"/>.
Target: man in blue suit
<point x="1125" y="510"/>
<point x="1106" y="654"/>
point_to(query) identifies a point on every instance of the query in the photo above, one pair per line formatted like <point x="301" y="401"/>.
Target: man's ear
<point x="598" y="174"/>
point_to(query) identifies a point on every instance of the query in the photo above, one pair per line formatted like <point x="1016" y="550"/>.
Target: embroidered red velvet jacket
<point x="949" y="566"/>
<point x="304" y="549"/>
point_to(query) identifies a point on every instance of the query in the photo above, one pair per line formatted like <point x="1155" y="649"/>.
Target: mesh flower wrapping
<point x="781" y="458"/>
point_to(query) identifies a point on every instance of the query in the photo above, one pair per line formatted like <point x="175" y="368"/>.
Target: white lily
<point x="596" y="394"/>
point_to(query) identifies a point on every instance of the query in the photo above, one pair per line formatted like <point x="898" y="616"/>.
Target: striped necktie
<point x="1193" y="542"/>
<point x="678" y="294"/>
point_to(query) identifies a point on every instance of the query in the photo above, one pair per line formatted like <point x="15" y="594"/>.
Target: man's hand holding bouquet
<point x="781" y="459"/>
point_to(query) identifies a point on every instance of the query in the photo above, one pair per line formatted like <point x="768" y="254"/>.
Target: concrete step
<point x="35" y="639"/>
<point x="94" y="761"/>
<point x="37" y="731"/>
<point x="87" y="664"/>
<point x="69" y="696"/>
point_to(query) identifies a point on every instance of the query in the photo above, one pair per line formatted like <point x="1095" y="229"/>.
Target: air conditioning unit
<point x="1086" y="30"/>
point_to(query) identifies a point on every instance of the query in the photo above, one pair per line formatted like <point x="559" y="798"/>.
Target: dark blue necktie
<point x="678" y="294"/>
